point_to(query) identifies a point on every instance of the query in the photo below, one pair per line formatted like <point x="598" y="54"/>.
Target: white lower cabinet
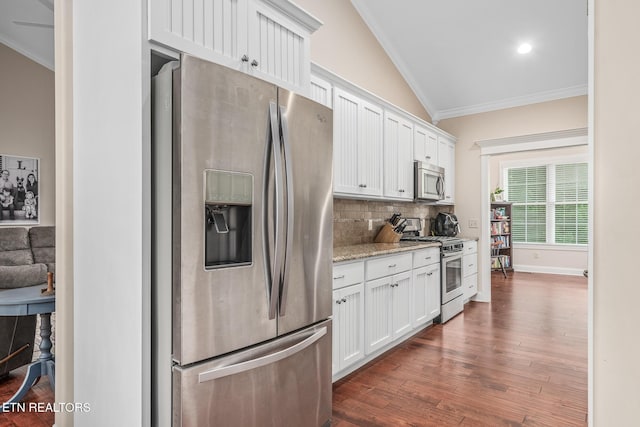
<point x="387" y="310"/>
<point x="348" y="315"/>
<point x="469" y="269"/>
<point x="426" y="294"/>
<point x="348" y="326"/>
<point x="379" y="301"/>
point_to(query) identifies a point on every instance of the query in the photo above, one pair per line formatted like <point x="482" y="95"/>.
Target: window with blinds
<point x="550" y="203"/>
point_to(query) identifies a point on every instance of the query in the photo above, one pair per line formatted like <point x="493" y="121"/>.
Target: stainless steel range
<point x="451" y="273"/>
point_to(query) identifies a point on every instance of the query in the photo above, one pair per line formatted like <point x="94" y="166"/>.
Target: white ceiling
<point x="460" y="58"/>
<point x="32" y="36"/>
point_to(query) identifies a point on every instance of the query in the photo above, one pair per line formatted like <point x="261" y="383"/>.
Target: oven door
<point x="429" y="182"/>
<point x="451" y="276"/>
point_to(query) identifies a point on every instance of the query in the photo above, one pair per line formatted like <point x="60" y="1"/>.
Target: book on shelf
<point x="500" y="242"/>
<point x="506" y="261"/>
<point x="500" y="228"/>
<point x="499" y="213"/>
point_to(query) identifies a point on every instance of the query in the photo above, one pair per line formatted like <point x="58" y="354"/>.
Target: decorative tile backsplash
<point x="351" y="218"/>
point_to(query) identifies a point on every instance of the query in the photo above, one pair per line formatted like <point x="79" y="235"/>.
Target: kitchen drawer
<point x="348" y="274"/>
<point x="469" y="264"/>
<point x="386" y="266"/>
<point x="470" y="247"/>
<point x="470" y="286"/>
<point x="425" y="257"/>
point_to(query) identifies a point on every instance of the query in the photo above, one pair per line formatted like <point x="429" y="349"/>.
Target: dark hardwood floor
<point x="519" y="361"/>
<point x="41" y="392"/>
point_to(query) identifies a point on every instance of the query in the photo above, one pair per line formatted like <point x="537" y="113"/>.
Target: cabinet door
<point x="370" y="149"/>
<point x="378" y="326"/>
<point x="346" y="129"/>
<point x="398" y="157"/>
<point x="348" y="326"/>
<point x="425" y="145"/>
<point x="470" y="286"/>
<point x="215" y="30"/>
<point x="357" y="145"/>
<point x="433" y="291"/>
<point x="419" y="297"/>
<point x="278" y="48"/>
<point x="401" y="298"/>
<point x="321" y="91"/>
<point x="446" y="159"/>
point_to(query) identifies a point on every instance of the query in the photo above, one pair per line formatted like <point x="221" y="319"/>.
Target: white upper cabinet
<point x="447" y="160"/>
<point x="425" y="145"/>
<point x="357" y="145"/>
<point x="265" y="38"/>
<point x="398" y="157"/>
<point x="375" y="143"/>
<point x="321" y="91"/>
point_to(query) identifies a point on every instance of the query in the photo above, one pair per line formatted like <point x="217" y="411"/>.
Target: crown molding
<point x="297" y="13"/>
<point x="537" y="141"/>
<point x="518" y="101"/>
<point x="24" y="52"/>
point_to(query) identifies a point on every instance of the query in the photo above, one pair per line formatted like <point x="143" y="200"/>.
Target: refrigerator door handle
<point x="261" y="361"/>
<point x="279" y="210"/>
<point x="284" y="127"/>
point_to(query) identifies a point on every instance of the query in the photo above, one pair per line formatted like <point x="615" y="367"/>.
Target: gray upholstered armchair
<point x="26" y="255"/>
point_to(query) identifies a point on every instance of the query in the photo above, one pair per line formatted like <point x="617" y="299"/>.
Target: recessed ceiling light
<point x="524" y="48"/>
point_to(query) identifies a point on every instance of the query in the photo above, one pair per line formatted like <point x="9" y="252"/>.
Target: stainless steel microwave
<point x="428" y="181"/>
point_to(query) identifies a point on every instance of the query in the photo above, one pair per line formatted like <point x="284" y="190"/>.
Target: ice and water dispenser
<point x="227" y="214"/>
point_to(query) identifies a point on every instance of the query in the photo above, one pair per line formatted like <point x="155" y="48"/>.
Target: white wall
<point x="538" y="258"/>
<point x="27" y="120"/>
<point x="108" y="228"/>
<point x="616" y="286"/>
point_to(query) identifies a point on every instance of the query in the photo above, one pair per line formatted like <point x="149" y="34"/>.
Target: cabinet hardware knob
<point x="427" y="157"/>
<point x="344" y="300"/>
<point x="392" y="265"/>
<point x="244" y="58"/>
<point x="427" y="258"/>
<point x="254" y="63"/>
<point x="339" y="277"/>
<point x="362" y="185"/>
<point x="339" y="302"/>
<point x="401" y="191"/>
<point x="429" y="274"/>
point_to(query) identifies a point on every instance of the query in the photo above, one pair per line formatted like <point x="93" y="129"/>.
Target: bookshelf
<point x="501" y="244"/>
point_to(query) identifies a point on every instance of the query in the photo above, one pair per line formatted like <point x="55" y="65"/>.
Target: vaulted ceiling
<point x="460" y="57"/>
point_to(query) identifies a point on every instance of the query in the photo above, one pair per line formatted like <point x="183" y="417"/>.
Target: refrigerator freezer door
<point x="286" y="382"/>
<point x="307" y="138"/>
<point x="221" y="123"/>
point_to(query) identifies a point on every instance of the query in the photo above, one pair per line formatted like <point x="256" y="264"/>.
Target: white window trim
<point x="544" y="161"/>
<point x="552" y="247"/>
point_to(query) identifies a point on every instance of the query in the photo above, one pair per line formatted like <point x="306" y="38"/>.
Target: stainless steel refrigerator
<point x="251" y="251"/>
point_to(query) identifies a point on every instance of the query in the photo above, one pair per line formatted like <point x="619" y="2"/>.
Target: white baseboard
<point x="548" y="270"/>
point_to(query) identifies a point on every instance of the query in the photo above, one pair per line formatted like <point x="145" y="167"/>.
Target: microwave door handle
<point x="276" y="257"/>
<point x="288" y="246"/>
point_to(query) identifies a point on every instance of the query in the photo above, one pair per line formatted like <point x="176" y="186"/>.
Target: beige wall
<point x="559" y="261"/>
<point x="346" y="46"/>
<point x="616" y="286"/>
<point x="27" y="120"/>
<point x="570" y="113"/>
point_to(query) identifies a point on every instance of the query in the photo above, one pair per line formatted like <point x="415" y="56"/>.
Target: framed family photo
<point x="19" y="194"/>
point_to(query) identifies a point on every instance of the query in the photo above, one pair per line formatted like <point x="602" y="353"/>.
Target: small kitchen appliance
<point x="428" y="183"/>
<point x="445" y="224"/>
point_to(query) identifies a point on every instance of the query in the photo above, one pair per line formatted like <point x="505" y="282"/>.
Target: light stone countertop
<point x="364" y="250"/>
